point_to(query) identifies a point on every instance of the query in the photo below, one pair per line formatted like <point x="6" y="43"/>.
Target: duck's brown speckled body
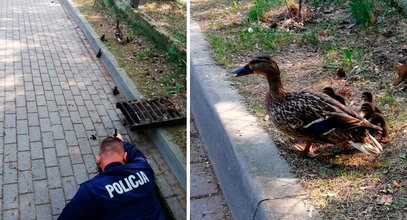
<point x="310" y="117"/>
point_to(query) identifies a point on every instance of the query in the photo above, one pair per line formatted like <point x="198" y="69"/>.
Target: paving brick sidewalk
<point x="54" y="95"/>
<point x="207" y="201"/>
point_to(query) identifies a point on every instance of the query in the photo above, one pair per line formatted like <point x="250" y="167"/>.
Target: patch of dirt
<point x="170" y="15"/>
<point x="147" y="65"/>
<point x="342" y="185"/>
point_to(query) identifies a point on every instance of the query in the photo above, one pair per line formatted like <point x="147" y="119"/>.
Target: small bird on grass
<point x="99" y="54"/>
<point x="116" y="91"/>
<point x="377" y="119"/>
<point x="367" y="97"/>
<point x="103" y="37"/>
<point x="331" y="92"/>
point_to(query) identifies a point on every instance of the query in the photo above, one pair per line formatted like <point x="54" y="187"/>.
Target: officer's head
<point x="111" y="150"/>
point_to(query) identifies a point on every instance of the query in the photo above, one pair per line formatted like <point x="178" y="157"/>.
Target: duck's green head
<point x="262" y="65"/>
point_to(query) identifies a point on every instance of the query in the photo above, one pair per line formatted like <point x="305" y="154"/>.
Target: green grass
<point x="265" y="38"/>
<point x="143" y="55"/>
<point x="362" y="11"/>
<point x="310" y="37"/>
<point x="321" y="2"/>
<point x="256" y="12"/>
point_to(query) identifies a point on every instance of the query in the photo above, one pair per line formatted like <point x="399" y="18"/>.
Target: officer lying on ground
<point x="125" y="189"/>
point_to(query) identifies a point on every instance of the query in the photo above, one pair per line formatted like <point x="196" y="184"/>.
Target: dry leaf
<point x="385" y="199"/>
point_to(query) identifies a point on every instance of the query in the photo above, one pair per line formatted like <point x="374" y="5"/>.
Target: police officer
<point x="125" y="188"/>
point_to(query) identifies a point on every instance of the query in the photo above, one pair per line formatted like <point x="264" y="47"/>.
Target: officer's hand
<point x="120" y="136"/>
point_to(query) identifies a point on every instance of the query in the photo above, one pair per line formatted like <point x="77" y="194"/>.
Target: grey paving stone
<point x="54" y="177"/>
<point x="75" y="155"/>
<point x="202" y="176"/>
<point x="36" y="150"/>
<point x="10" y="173"/>
<point x="27" y="206"/>
<point x="61" y="148"/>
<point x="50" y="157"/>
<point x="33" y="119"/>
<point x="25" y="182"/>
<point x="41" y="192"/>
<point x="11" y="214"/>
<point x="38" y="169"/>
<point x="84" y="145"/>
<point x="207" y="208"/>
<point x="35" y="134"/>
<point x="177" y="210"/>
<point x="10" y="121"/>
<point x="24" y="160"/>
<point x="70" y="187"/>
<point x="43" y="212"/>
<point x="58" y="131"/>
<point x="165" y="188"/>
<point x="43" y="112"/>
<point x="90" y="163"/>
<point x="47" y="139"/>
<point x="10" y="153"/>
<point x="79" y="131"/>
<point x="80" y="173"/>
<point x="22" y="127"/>
<point x="67" y="124"/>
<point x="23" y="142"/>
<point x="65" y="166"/>
<point x="10" y="135"/>
<point x="21" y="113"/>
<point x="70" y="138"/>
<point x="57" y="200"/>
<point x="45" y="124"/>
<point x="10" y="194"/>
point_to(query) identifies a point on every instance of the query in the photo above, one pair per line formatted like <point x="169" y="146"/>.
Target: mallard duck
<point x="367" y="97"/>
<point x="331" y="92"/>
<point x="310" y="117"/>
<point x="119" y="36"/>
<point x="377" y="119"/>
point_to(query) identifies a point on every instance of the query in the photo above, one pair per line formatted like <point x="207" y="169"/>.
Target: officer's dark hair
<point x="111" y="144"/>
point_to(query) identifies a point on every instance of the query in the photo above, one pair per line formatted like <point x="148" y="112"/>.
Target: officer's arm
<point x="133" y="153"/>
<point x="78" y="207"/>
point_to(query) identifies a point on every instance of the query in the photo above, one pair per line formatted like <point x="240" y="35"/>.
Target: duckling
<point x="367" y="97"/>
<point x="119" y="36"/>
<point x="103" y="37"/>
<point x="376" y="119"/>
<point x="331" y="92"/>
<point x="99" y="54"/>
<point x="116" y="91"/>
<point x="310" y="117"/>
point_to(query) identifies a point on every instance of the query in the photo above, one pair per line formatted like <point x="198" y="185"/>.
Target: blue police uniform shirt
<point x="121" y="191"/>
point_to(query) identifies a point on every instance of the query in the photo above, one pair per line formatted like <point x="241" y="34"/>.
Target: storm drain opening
<point x="150" y="113"/>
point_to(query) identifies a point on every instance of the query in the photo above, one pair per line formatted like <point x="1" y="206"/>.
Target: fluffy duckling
<point x="376" y="119"/>
<point x="367" y="97"/>
<point x="331" y="92"/>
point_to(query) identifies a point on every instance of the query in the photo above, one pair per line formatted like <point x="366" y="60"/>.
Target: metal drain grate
<point x="150" y="113"/>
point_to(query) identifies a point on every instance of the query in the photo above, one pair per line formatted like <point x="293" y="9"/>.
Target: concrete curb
<point x="170" y="151"/>
<point x="154" y="30"/>
<point x="255" y="180"/>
